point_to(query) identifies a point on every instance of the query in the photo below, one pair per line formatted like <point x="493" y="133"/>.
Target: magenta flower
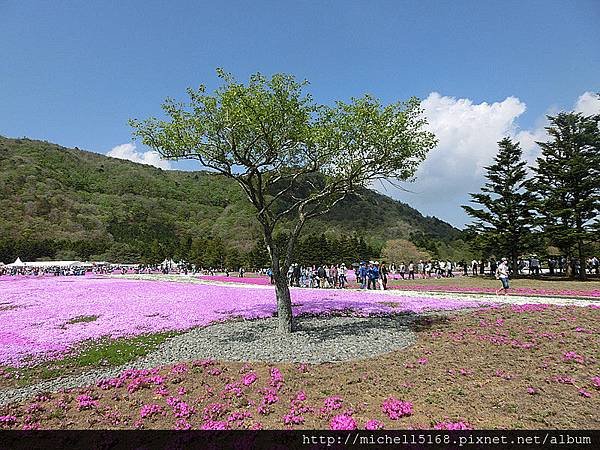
<point x="453" y="426"/>
<point x="333" y="403"/>
<point x="179" y="369"/>
<point x="300" y="396"/>
<point x="182" y="424"/>
<point x="374" y="424"/>
<point x="396" y="409"/>
<point x="269" y="396"/>
<point x="276" y="378"/>
<point x="150" y="410"/>
<point x="249" y="378"/>
<point x="8" y="420"/>
<point x="214" y="425"/>
<point x="596" y="382"/>
<point x="293" y="419"/>
<point x="86" y="402"/>
<point x="573" y="356"/>
<point x="342" y="422"/>
<point x="584" y="393"/>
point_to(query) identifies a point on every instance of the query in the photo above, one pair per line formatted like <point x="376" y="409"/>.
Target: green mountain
<point x="61" y="202"/>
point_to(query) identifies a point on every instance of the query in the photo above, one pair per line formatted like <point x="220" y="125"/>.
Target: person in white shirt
<point x="502" y="275"/>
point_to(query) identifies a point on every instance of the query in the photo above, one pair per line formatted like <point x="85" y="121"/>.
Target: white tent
<point x="17" y="263"/>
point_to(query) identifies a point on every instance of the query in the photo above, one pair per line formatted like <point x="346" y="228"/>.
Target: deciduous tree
<point x="277" y="144"/>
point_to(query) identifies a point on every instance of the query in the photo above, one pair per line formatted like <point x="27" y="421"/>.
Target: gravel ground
<point x="317" y="340"/>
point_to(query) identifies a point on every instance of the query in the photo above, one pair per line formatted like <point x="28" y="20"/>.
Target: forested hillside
<point x="57" y="202"/>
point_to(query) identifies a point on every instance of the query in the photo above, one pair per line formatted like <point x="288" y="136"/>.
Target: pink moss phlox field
<point x="259" y="281"/>
<point x="484" y="290"/>
<point x="39" y="324"/>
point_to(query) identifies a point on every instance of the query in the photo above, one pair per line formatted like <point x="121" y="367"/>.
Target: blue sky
<point x="73" y="72"/>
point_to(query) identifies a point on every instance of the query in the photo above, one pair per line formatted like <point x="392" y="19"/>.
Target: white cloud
<point x="588" y="103"/>
<point x="130" y="152"/>
<point x="468" y="134"/>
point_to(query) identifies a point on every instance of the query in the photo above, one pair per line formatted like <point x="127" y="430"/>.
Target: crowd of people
<point x="368" y="275"/>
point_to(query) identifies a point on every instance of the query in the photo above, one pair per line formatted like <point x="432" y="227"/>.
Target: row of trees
<point x="556" y="204"/>
<point x="203" y="252"/>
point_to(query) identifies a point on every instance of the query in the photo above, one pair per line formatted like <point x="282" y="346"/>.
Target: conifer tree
<point x="567" y="184"/>
<point x="503" y="226"/>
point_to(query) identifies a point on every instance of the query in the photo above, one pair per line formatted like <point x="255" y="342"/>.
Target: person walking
<point x="502" y="275"/>
<point x="342" y="275"/>
<point x="383" y="274"/>
<point x="362" y="272"/>
<point x="411" y="270"/>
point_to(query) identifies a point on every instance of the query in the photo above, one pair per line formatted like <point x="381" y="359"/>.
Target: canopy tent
<point x="17" y="263"/>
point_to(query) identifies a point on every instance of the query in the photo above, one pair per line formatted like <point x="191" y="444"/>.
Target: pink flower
<point x="8" y="420"/>
<point x="179" y="368"/>
<point x="163" y="391"/>
<point x="532" y="391"/>
<point x="584" y="393"/>
<point x="395" y="408"/>
<point x="423" y="361"/>
<point x="182" y="424"/>
<point x="150" y="410"/>
<point x="86" y="402"/>
<point x="342" y="422"/>
<point x="300" y="396"/>
<point x="214" y="425"/>
<point x="270" y="397"/>
<point x="249" y="378"/>
<point x="183" y="410"/>
<point x="374" y="424"/>
<point x="573" y="356"/>
<point x="596" y="382"/>
<point x="293" y="419"/>
<point x="453" y="426"/>
<point x="333" y="403"/>
<point x="276" y="378"/>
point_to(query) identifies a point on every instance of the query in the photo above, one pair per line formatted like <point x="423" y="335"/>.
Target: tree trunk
<point x="582" y="261"/>
<point x="284" y="304"/>
<point x="282" y="290"/>
<point x="515" y="265"/>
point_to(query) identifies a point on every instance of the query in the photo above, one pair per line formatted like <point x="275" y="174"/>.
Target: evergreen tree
<point x="503" y="226"/>
<point x="567" y="184"/>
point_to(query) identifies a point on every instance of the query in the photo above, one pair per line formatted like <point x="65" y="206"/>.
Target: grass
<point x="502" y="367"/>
<point x="104" y="353"/>
<point x="82" y="319"/>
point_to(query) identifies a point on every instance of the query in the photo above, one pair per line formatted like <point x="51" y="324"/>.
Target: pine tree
<point x="567" y="184"/>
<point x="503" y="226"/>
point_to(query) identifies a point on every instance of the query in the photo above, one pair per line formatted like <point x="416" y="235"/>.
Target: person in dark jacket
<point x="383" y="273"/>
<point x="362" y="273"/>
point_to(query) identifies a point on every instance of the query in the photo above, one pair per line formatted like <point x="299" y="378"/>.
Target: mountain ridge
<point x="68" y="194"/>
